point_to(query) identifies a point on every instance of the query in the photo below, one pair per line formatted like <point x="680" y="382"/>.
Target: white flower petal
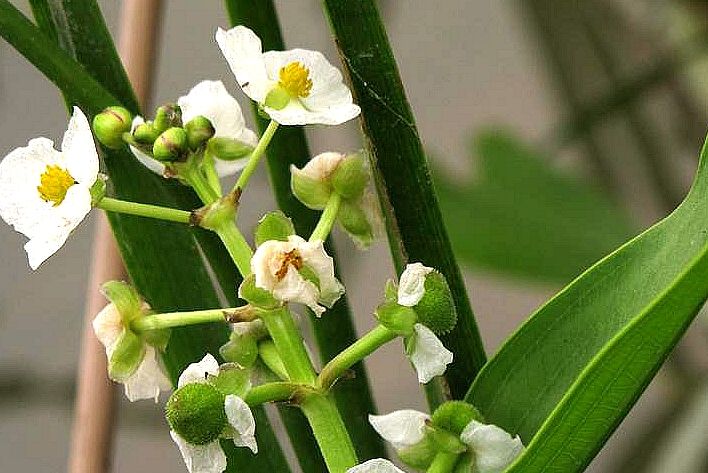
<point x="79" y="150"/>
<point x="494" y="448"/>
<point x="241" y="419"/>
<point x="400" y="428"/>
<point x="209" y="458"/>
<point x="197" y="372"/>
<point x="148" y="380"/>
<point x="411" y="285"/>
<point x="316" y="258"/>
<point x="429" y="357"/>
<point x="108" y="327"/>
<point x="377" y="465"/>
<point x="322" y="166"/>
<point x="243" y="51"/>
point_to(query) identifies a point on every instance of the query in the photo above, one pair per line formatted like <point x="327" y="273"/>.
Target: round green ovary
<point x="196" y="412"/>
<point x="454" y="416"/>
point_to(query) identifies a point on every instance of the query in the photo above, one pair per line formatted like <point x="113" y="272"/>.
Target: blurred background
<point x="556" y="130"/>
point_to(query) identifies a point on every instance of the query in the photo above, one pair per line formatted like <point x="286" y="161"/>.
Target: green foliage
<point x="521" y="217"/>
<point x="571" y="373"/>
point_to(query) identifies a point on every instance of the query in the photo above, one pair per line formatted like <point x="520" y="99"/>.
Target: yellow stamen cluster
<point x="295" y="79"/>
<point x="54" y="183"/>
<point x="289" y="258"/>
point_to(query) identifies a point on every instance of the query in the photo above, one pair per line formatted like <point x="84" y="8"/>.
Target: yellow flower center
<point x="287" y="259"/>
<point x="54" y="183"/>
<point x="295" y="78"/>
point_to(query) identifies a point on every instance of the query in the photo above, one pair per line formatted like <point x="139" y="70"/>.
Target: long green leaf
<point x="413" y="219"/>
<point x="336" y="331"/>
<point x="571" y="373"/>
<point x="519" y="216"/>
<point x="169" y="272"/>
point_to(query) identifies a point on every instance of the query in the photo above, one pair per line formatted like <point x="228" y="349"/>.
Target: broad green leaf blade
<point x="520" y="217"/>
<point x="413" y="218"/>
<point x="571" y="373"/>
<point x="336" y="331"/>
<point x="169" y="272"/>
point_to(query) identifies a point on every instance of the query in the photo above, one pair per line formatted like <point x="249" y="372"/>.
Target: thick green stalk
<point x="271" y="392"/>
<point x="144" y="210"/>
<point x="444" y="462"/>
<point x="179" y="319"/>
<point x="286" y="336"/>
<point x="236" y="245"/>
<point x="327" y="219"/>
<point x="413" y="219"/>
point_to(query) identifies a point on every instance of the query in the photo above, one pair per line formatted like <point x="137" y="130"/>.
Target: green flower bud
<point x="196" y="412"/>
<point x="420" y="455"/>
<point x="171" y="145"/>
<point x="126" y="356"/>
<point x="167" y="116"/>
<point x="241" y="349"/>
<point x="313" y="193"/>
<point x="397" y="318"/>
<point x="145" y="133"/>
<point x="454" y="416"/>
<point x="351" y="177"/>
<point x="278" y="98"/>
<point x="227" y="149"/>
<point x="355" y="222"/>
<point x="110" y="124"/>
<point x="199" y="129"/>
<point x="257" y="296"/>
<point x="274" y="226"/>
<point x="436" y="310"/>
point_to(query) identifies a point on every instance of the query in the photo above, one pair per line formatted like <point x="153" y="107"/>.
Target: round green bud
<point x="351" y="177"/>
<point x="420" y="455"/>
<point x="454" y="416"/>
<point x="167" y="116"/>
<point x="110" y="124"/>
<point x="313" y="193"/>
<point x="274" y="226"/>
<point x="278" y="98"/>
<point x="145" y="133"/>
<point x="196" y="412"/>
<point x="199" y="129"/>
<point x="171" y="145"/>
<point x="257" y="296"/>
<point x="227" y="149"/>
<point x="436" y="310"/>
<point x="397" y="318"/>
<point x="241" y="349"/>
<point x="354" y="220"/>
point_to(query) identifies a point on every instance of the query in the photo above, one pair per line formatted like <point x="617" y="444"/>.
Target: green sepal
<point x="157" y="338"/>
<point x="454" y="416"/>
<point x="241" y="349"/>
<point x="351" y="177"/>
<point x="196" y="413"/>
<point x="273" y="226"/>
<point x="436" y="310"/>
<point x="354" y="221"/>
<point x="232" y="379"/>
<point x="313" y="193"/>
<point x="125" y="298"/>
<point x="391" y="291"/>
<point x="397" y="318"/>
<point x="227" y="149"/>
<point x="309" y="274"/>
<point x="420" y="455"/>
<point x="444" y="440"/>
<point x="257" y="296"/>
<point x="127" y="355"/>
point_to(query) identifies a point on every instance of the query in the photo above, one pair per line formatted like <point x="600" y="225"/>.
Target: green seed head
<point x="454" y="416"/>
<point x="436" y="310"/>
<point x="196" y="412"/>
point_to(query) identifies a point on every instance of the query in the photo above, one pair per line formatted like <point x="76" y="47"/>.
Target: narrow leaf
<point x="568" y="377"/>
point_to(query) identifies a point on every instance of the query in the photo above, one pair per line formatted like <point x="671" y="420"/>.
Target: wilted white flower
<point x="309" y="89"/>
<point x="241" y="428"/>
<point x="297" y="270"/>
<point x="493" y="448"/>
<point x="321" y="167"/>
<point x="45" y="193"/>
<point x="377" y="465"/>
<point x="411" y="285"/>
<point x="149" y="377"/>
<point x="211" y="100"/>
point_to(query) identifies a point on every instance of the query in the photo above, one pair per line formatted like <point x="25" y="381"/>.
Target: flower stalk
<point x="180" y="319"/>
<point x="256" y="156"/>
<point x="444" y="462"/>
<point x="144" y="210"/>
<point x="327" y="219"/>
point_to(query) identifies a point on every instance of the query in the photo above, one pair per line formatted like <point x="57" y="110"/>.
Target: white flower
<point x="377" y="465"/>
<point x="210" y="458"/>
<point x="211" y="100"/>
<point x="149" y="378"/>
<point x="315" y="89"/>
<point x="45" y="193"/>
<point x="427" y="353"/>
<point x="411" y="285"/>
<point x="493" y="448"/>
<point x="321" y="167"/>
<point x="278" y="267"/>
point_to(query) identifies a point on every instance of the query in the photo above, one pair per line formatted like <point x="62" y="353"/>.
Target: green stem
<point x="327" y="219"/>
<point x="354" y="353"/>
<point x="444" y="462"/>
<point x="180" y="319"/>
<point x="286" y="336"/>
<point x="207" y="194"/>
<point x="271" y="392"/>
<point x="256" y="155"/>
<point x="144" y="210"/>
<point x="330" y="432"/>
<point x="210" y="173"/>
<point x="236" y="245"/>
